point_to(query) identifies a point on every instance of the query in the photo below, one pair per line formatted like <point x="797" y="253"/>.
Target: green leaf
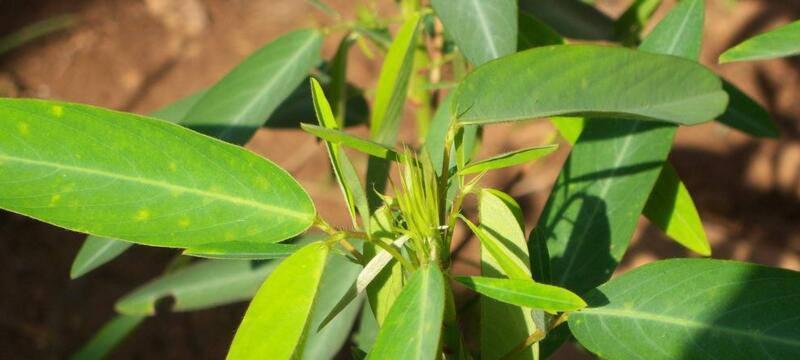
<point x="499" y="251"/>
<point x="534" y="33"/>
<point x="482" y="30"/>
<point x="780" y="42"/>
<point x="276" y="322"/>
<point x="95" y="252"/>
<point x="571" y="18"/>
<point x="325" y="343"/>
<point x="671" y="207"/>
<point x="393" y="83"/>
<point x="109" y="336"/>
<point x="35" y="31"/>
<point x="509" y="159"/>
<point x="198" y="286"/>
<point x="387" y="285"/>
<point x="299" y="108"/>
<point x="618" y="82"/>
<point x="241" y="250"/>
<point x="437" y="133"/>
<point x="366" y="146"/>
<point x="413" y="327"/>
<point x="593" y="210"/>
<point x="248" y="94"/>
<point x="693" y="309"/>
<point x="746" y="115"/>
<point x="503" y="326"/>
<point x="147" y="181"/>
<point x="629" y="25"/>
<point x="524" y="292"/>
<point x="349" y="183"/>
<point x="338" y="86"/>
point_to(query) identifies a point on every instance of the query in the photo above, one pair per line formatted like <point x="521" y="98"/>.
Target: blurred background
<point x="138" y="55"/>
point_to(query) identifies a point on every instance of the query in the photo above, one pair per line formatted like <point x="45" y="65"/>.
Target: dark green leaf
<point x="534" y="33"/>
<point x="483" y="30"/>
<point x="628" y="28"/>
<point x="693" y="309"/>
<point x="248" y="94"/>
<point x="781" y="42"/>
<point x="413" y="327"/>
<point x="746" y="115"/>
<point x="139" y="179"/>
<point x="277" y="321"/>
<point x="35" y="31"/>
<point x="571" y="18"/>
<point x="618" y="82"/>
<point x="524" y="292"/>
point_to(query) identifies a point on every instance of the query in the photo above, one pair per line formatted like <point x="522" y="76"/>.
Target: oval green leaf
<point x="276" y="323"/>
<point x="524" y="292"/>
<point x="619" y="82"/>
<point x="483" y="30"/>
<point x="693" y="309"/>
<point x="413" y="326"/>
<point x="139" y="179"/>
<point x="781" y="42"/>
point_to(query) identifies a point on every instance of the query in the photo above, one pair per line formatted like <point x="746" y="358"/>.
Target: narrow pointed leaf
<point x="241" y="250"/>
<point x="571" y="18"/>
<point x="502" y="325"/>
<point x="494" y="246"/>
<point x="593" y="210"/>
<point x="413" y="327"/>
<point x="349" y="183"/>
<point x="781" y="42"/>
<point x="366" y="146"/>
<point x="693" y="309"/>
<point x="109" y="336"/>
<point x="672" y="208"/>
<point x="534" y="33"/>
<point x="147" y="181"/>
<point x="384" y="289"/>
<point x="95" y="252"/>
<point x="628" y="28"/>
<point x="620" y="82"/>
<point x="482" y="30"/>
<point x="277" y="321"/>
<point x="248" y="94"/>
<point x="509" y="159"/>
<point x="526" y="293"/>
<point x="747" y="115"/>
<point x="198" y="286"/>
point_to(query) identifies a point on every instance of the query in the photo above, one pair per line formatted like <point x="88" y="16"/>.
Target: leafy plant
<point x="180" y="179"/>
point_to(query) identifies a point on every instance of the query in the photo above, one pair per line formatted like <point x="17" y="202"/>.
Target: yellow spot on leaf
<point x="262" y="183"/>
<point x="57" y="111"/>
<point x="173" y="166"/>
<point x="142" y="215"/>
<point x="184" y="222"/>
<point x="54" y="199"/>
<point x="24" y="128"/>
<point x="230" y="236"/>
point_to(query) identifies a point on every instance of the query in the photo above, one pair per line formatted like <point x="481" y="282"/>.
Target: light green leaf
<point x="672" y="208"/>
<point x="503" y="326"/>
<point x="780" y="42"/>
<point x="619" y="82"/>
<point x="534" y="33"/>
<point x="571" y="18"/>
<point x="482" y="30"/>
<point x="276" y="323"/>
<point x="607" y="179"/>
<point x="393" y="83"/>
<point x="198" y="286"/>
<point x="241" y="250"/>
<point x="509" y="159"/>
<point x="524" y="292"/>
<point x="693" y="309"/>
<point x="349" y="183"/>
<point x="139" y="179"/>
<point x="95" y="252"/>
<point x="109" y="336"/>
<point x="248" y="94"/>
<point x="499" y="251"/>
<point x="384" y="289"/>
<point x="325" y="343"/>
<point x="413" y="327"/>
<point x="366" y="146"/>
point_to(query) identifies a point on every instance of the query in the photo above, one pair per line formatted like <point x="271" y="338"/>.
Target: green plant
<point x="125" y="178"/>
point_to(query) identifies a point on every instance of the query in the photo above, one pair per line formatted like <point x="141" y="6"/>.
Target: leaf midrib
<point x="161" y="184"/>
<point x="484" y="28"/>
<point x="528" y="295"/>
<point x="681" y="322"/>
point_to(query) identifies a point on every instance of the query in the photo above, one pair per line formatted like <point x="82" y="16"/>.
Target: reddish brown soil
<point x="125" y="55"/>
